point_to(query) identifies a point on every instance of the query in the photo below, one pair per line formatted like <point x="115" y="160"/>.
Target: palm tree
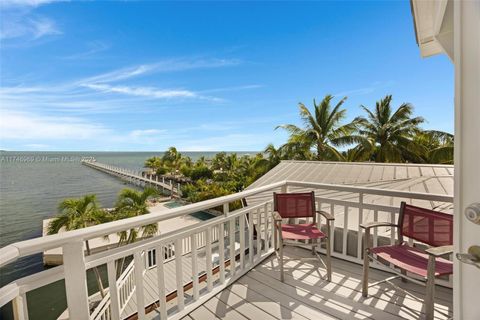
<point x="132" y="203"/>
<point x="153" y="163"/>
<point x="219" y="161"/>
<point x="437" y="146"/>
<point x="322" y="129"/>
<point x="77" y="213"/>
<point x="389" y="135"/>
<point x="274" y="155"/>
<point x="173" y="159"/>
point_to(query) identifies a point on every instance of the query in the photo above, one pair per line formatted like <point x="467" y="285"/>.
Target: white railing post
<point x="113" y="290"/>
<point x="139" y="287"/>
<point x="20" y="308"/>
<point x="226" y="209"/>
<point x="76" y="280"/>
<point x="161" y="282"/>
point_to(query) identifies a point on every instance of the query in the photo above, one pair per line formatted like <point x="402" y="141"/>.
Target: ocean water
<point x="31" y="186"/>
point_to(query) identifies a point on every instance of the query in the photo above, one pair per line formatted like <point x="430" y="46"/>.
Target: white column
<point x="76" y="281"/>
<point x="467" y="152"/>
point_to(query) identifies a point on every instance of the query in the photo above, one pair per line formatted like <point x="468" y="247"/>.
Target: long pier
<point x="137" y="177"/>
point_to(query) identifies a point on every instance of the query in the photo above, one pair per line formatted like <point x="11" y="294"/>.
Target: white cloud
<point x="32" y="28"/>
<point x="93" y="48"/>
<point x="237" y="88"/>
<point x="366" y="90"/>
<point x="149" y="92"/>
<point x="26" y="3"/>
<point x="168" y="65"/>
<point x="146" y="133"/>
<point x="30" y="126"/>
<point x="37" y="146"/>
<point x="231" y="142"/>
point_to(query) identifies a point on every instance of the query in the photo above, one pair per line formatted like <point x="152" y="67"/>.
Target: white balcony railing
<point x="214" y="252"/>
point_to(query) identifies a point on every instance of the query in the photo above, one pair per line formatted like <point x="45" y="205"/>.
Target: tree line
<point x="382" y="134"/>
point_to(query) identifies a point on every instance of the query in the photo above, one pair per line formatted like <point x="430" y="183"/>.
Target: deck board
<point x="305" y="295"/>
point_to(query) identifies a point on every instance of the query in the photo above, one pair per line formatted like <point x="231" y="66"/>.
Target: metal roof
<point x="422" y="178"/>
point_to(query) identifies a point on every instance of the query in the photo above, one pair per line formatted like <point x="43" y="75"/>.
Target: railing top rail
<point x="16" y="250"/>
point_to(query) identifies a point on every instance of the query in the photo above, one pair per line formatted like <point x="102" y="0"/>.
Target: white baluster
<point x="250" y="238"/>
<point x="232" y="247"/>
<point x="241" y="231"/>
<point x="392" y="230"/>
<point x="113" y="289"/>
<point x="332" y="230"/>
<point x="360" y="230"/>
<point x="221" y="252"/>
<point x="259" y="233"/>
<point x="345" y="230"/>
<point x="179" y="274"/>
<point x="265" y="226"/>
<point x="208" y="257"/>
<point x="375" y="230"/>
<point x="193" y="240"/>
<point x="139" y="291"/>
<point x="161" y="282"/>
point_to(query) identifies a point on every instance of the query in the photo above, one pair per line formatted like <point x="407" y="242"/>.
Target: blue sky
<point x="128" y="76"/>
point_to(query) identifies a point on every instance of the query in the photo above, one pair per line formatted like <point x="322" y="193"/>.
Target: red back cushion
<point x="431" y="227"/>
<point x="295" y="205"/>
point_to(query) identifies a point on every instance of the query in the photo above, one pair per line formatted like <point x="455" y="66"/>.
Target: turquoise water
<point x="201" y="215"/>
<point x="31" y="186"/>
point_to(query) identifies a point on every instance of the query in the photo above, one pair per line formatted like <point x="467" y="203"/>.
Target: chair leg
<point x="313" y="249"/>
<point x="366" y="263"/>
<point x="329" y="260"/>
<point x="275" y="237"/>
<point x="430" y="287"/>
<point x="280" y="251"/>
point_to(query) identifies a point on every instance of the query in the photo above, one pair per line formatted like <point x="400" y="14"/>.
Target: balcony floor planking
<point x="305" y="295"/>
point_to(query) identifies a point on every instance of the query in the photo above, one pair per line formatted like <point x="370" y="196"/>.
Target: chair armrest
<point x="439" y="251"/>
<point x="326" y="215"/>
<point x="376" y="224"/>
<point x="276" y="216"/>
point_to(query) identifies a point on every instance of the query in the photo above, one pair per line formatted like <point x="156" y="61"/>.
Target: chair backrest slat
<point x="428" y="226"/>
<point x="294" y="205"/>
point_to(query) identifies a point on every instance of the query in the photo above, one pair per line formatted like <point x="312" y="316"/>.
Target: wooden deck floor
<point x="305" y="295"/>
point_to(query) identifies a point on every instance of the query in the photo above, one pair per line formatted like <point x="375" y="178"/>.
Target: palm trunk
<point x="319" y="151"/>
<point x="97" y="273"/>
<point x="122" y="262"/>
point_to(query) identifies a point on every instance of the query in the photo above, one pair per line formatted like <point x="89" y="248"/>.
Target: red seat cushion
<point x="412" y="260"/>
<point x="304" y="231"/>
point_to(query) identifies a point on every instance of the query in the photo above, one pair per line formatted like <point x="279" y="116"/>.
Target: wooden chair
<point x="299" y="205"/>
<point x="423" y="225"/>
